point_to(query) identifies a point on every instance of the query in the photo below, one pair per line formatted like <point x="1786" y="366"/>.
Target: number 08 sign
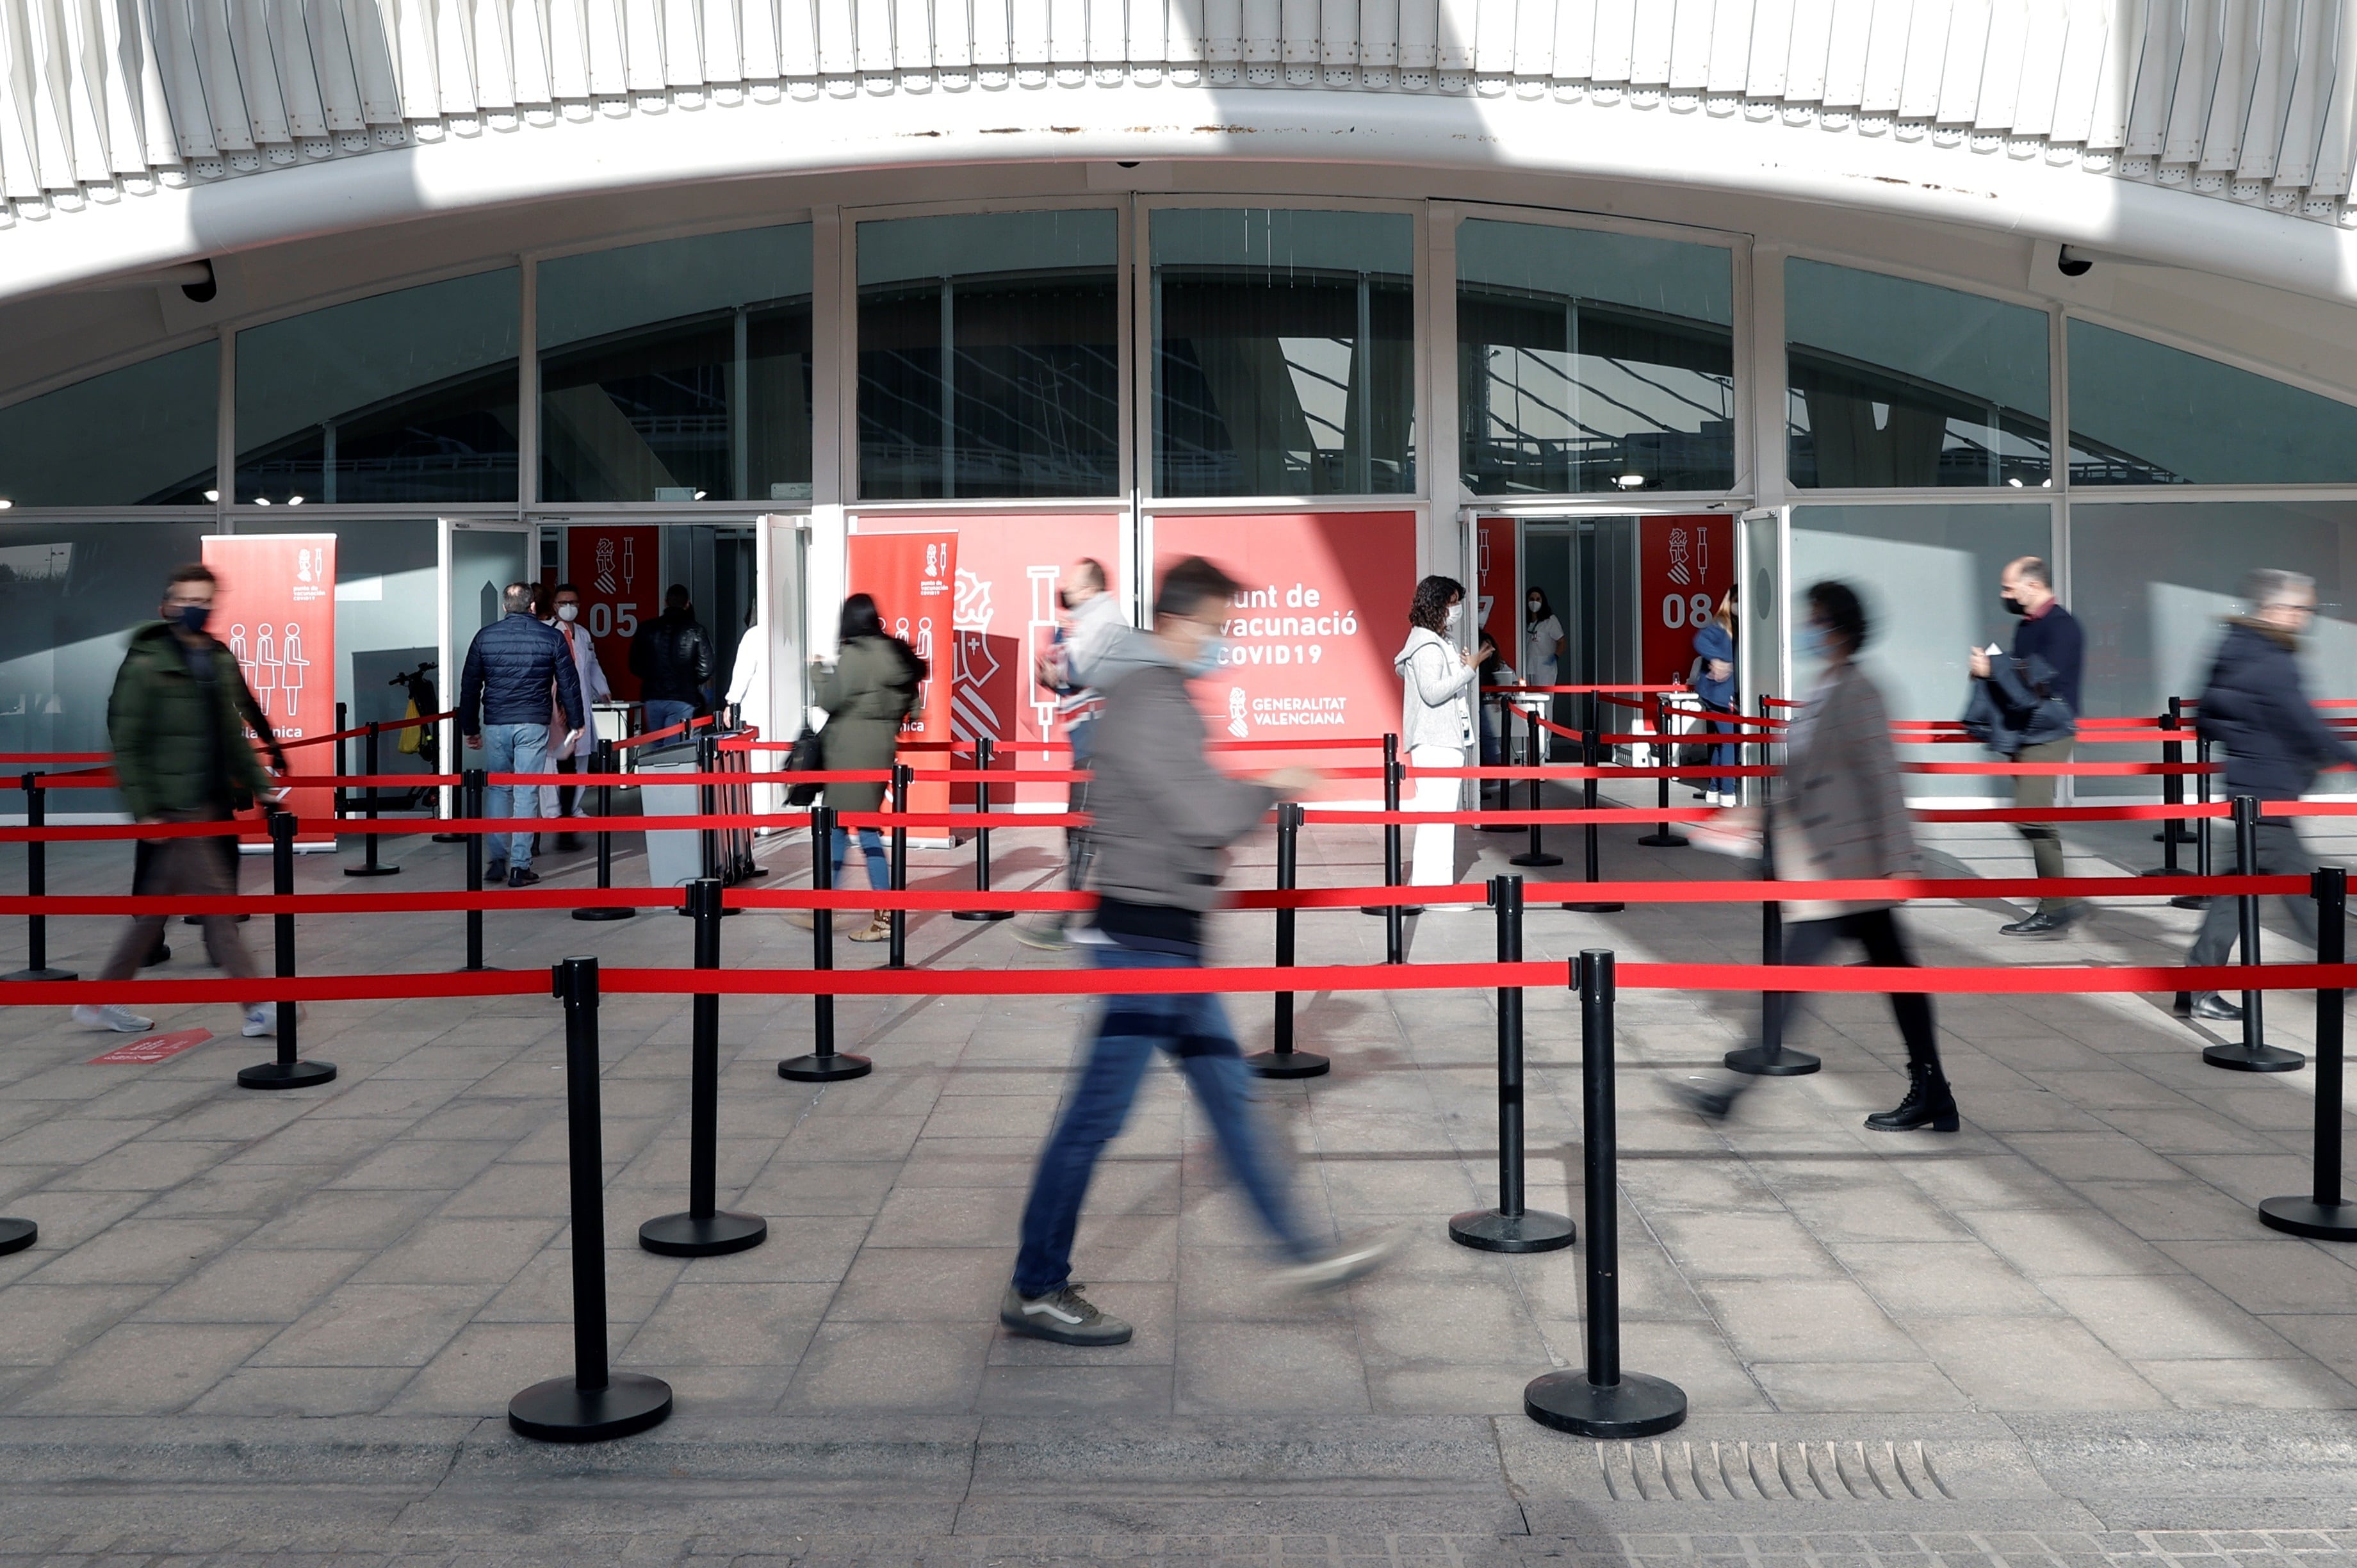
<point x="619" y="573"/>
<point x="1688" y="564"/>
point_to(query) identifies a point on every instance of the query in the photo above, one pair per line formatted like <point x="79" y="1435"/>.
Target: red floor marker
<point x="155" y="1048"/>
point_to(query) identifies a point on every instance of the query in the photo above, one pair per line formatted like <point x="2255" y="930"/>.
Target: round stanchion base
<point x="16" y="1235"/>
<point x="604" y="912"/>
<point x="2240" y="1057"/>
<point x="981" y="914"/>
<point x="1592" y="908"/>
<point x="449" y="838"/>
<point x="702" y="1235"/>
<point x="1379" y="910"/>
<point x="1542" y="858"/>
<point x="40" y="974"/>
<point x="285" y="1075"/>
<point x="371" y="870"/>
<point x="1494" y="1230"/>
<point x="1289" y="1064"/>
<point x="825" y="1069"/>
<point x="2189" y="901"/>
<point x="1664" y="841"/>
<point x="1636" y="1406"/>
<point x="562" y="1411"/>
<point x="1758" y="1061"/>
<point x="2303" y="1216"/>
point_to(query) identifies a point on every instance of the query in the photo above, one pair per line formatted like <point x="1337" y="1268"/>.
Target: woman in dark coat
<point x="867" y="693"/>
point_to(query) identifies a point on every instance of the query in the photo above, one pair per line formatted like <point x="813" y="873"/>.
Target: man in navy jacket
<point x="503" y="705"/>
<point x="2256" y="711"/>
<point x="2050" y="636"/>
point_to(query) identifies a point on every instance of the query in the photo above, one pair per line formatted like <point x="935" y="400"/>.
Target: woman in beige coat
<point x="1839" y="815"/>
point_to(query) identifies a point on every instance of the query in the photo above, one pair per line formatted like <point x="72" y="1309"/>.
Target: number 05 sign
<point x="619" y="573"/>
<point x="1688" y="565"/>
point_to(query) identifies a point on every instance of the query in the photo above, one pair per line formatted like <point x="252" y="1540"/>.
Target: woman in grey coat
<point x="871" y="689"/>
<point x="1839" y="815"/>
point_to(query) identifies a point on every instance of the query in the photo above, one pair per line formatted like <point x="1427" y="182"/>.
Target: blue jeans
<point x="871" y="844"/>
<point x="513" y="748"/>
<point x="661" y="715"/>
<point x="1193" y="1029"/>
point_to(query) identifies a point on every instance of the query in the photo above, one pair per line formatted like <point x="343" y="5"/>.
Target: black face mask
<point x="2013" y="607"/>
<point x="1063" y="599"/>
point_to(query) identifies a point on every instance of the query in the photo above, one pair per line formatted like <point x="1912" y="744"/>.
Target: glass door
<point x="479" y="560"/>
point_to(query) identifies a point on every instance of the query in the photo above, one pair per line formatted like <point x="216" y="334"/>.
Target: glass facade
<point x="143" y="435"/>
<point x="1593" y="361"/>
<point x="1897" y="384"/>
<point x="678" y="371"/>
<point x="2144" y="414"/>
<point x="989" y="356"/>
<point x="1284" y="352"/>
<point x="403" y="397"/>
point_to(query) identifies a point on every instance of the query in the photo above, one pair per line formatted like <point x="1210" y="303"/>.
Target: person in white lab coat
<point x="570" y="800"/>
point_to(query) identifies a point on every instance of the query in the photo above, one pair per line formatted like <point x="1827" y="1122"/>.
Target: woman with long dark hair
<point x="1436" y="682"/>
<point x="1713" y="678"/>
<point x="870" y="690"/>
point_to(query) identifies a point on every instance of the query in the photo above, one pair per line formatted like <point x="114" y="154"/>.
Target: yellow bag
<point x="413" y="735"/>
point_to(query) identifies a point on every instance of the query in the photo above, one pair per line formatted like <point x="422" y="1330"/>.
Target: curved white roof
<point x="2211" y="133"/>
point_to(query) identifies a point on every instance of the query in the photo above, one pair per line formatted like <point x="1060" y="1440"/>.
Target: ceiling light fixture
<point x="261" y="501"/>
<point x="1629" y="481"/>
<point x="212" y="495"/>
<point x="294" y="500"/>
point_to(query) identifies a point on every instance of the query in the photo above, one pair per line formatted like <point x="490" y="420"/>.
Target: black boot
<point x="1928" y="1105"/>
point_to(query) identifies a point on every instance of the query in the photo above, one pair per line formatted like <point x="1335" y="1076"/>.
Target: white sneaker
<point x="1352" y="1260"/>
<point x="113" y="1015"/>
<point x="262" y="1019"/>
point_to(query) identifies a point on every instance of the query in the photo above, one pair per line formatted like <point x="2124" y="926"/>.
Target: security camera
<point x="2071" y="267"/>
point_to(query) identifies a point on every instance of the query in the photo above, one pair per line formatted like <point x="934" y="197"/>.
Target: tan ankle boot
<point x="879" y="929"/>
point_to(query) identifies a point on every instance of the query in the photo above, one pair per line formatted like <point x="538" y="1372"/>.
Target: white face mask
<point x="1455" y="614"/>
<point x="568" y="612"/>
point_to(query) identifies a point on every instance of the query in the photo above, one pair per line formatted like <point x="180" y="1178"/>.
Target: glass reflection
<point x="2144" y="414"/>
<point x="1593" y="361"/>
<point x="989" y="360"/>
<point x="143" y="435"/>
<point x="1903" y="384"/>
<point x="1284" y="352"/>
<point x="408" y="397"/>
<point x="678" y="371"/>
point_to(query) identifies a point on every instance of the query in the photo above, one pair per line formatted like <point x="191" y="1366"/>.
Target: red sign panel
<point x="153" y="1049"/>
<point x="618" y="571"/>
<point x="1687" y="564"/>
<point x="275" y="608"/>
<point x="1312" y="632"/>
<point x="912" y="577"/>
<point x="1495" y="569"/>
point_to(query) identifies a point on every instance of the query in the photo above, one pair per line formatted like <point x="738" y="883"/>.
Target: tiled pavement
<point x="393" y="1245"/>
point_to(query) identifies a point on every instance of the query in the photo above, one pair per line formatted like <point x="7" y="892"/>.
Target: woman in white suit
<point x="1437" y="694"/>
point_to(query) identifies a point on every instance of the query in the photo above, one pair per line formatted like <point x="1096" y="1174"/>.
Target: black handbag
<point x="809" y="755"/>
<point x="1698" y="753"/>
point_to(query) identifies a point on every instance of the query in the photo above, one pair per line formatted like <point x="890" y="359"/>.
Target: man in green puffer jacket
<point x="180" y="756"/>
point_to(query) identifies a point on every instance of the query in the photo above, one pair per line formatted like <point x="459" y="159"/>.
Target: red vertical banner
<point x="1496" y="567"/>
<point x="275" y="608"/>
<point x="1008" y="570"/>
<point x="1687" y="565"/>
<point x="912" y="577"/>
<point x="1310" y="637"/>
<point x="618" y="571"/>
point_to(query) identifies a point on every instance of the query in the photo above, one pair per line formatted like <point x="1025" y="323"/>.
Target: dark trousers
<point x="567" y="793"/>
<point x="1877" y="931"/>
<point x="171" y="867"/>
<point x="2280" y="853"/>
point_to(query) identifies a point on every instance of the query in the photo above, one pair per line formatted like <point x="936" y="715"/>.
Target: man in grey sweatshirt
<point x="1164" y="817"/>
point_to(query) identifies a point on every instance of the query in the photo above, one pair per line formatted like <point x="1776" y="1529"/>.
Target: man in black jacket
<point x="671" y="657"/>
<point x="503" y="705"/>
<point x="2254" y="709"/>
<point x="2050" y="639"/>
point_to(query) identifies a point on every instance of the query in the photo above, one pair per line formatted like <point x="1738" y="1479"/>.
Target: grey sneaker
<point x="113" y="1015"/>
<point x="1354" y="1259"/>
<point x="1061" y="1315"/>
<point x="1048" y="936"/>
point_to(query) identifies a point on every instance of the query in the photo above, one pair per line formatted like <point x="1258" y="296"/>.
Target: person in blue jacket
<point x="503" y="706"/>
<point x="1713" y="679"/>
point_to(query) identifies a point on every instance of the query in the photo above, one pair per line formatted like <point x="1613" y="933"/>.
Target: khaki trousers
<point x="2031" y="791"/>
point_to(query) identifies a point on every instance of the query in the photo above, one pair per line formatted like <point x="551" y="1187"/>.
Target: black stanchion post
<point x="605" y="764"/>
<point x="342" y="760"/>
<point x="896" y="950"/>
<point x="1536" y="756"/>
<point x="2252" y="1053"/>
<point x="470" y="793"/>
<point x="1505" y="787"/>
<point x="596" y="1402"/>
<point x="36" y="886"/>
<point x="288" y="1071"/>
<point x="823" y="1064"/>
<point x="1590" y="753"/>
<point x="1283" y="1061"/>
<point x="1663" y="836"/>
<point x="2172" y="793"/>
<point x="704" y="1231"/>
<point x="368" y="866"/>
<point x="1601" y="1400"/>
<point x="1769" y="1058"/>
<point x="1509" y="1227"/>
<point x="2321" y="1214"/>
<point x="1394" y="916"/>
<point x="983" y="759"/>
<point x="2201" y="828"/>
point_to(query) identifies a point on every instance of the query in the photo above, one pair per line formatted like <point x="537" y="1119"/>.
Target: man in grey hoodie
<point x="1164" y="817"/>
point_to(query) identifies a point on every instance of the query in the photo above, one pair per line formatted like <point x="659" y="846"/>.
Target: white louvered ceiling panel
<point x="2250" y="100"/>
